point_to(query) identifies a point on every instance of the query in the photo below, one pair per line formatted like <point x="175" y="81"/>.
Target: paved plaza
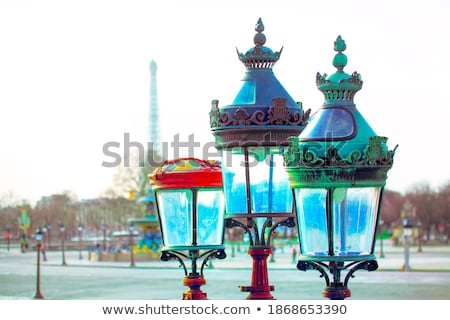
<point x="428" y="278"/>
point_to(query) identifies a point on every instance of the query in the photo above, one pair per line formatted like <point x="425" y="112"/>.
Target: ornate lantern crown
<point x="338" y="146"/>
<point x="340" y="87"/>
<point x="263" y="113"/>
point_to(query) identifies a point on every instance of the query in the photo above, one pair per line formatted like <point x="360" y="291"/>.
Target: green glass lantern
<point x="337" y="169"/>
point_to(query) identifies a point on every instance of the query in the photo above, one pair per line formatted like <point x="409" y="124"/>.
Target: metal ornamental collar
<point x="356" y="169"/>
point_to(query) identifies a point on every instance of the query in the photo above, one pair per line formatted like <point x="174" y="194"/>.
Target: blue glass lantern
<point x="39" y="235"/>
<point x="338" y="169"/>
<point x="251" y="134"/>
<point x="191" y="208"/>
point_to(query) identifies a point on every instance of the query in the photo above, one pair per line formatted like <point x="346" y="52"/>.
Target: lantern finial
<point x="259" y="57"/>
<point x="340" y="87"/>
<point x="260" y="38"/>
<point x="340" y="59"/>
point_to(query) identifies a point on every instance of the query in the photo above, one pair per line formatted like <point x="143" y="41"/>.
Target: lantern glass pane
<point x="312" y="221"/>
<point x="210" y="220"/>
<point x="334" y="123"/>
<point x="234" y="186"/>
<point x="175" y="211"/>
<point x="269" y="182"/>
<point x="270" y="191"/>
<point x="247" y="94"/>
<point x="354" y="220"/>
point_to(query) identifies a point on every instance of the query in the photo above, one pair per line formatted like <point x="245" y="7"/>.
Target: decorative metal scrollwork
<point x="335" y="269"/>
<point x="374" y="155"/>
<point x="193" y="256"/>
<point x="277" y="114"/>
<point x="256" y="236"/>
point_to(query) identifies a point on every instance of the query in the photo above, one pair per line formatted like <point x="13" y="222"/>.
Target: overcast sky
<point x="74" y="75"/>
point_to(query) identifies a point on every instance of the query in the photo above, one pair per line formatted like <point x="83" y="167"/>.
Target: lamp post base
<point x="337" y="293"/>
<point x="194" y="283"/>
<point x="260" y="288"/>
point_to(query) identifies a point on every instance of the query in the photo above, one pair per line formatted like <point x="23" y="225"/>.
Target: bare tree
<point x="422" y="198"/>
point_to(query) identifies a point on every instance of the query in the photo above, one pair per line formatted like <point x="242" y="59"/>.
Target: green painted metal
<point x="338" y="148"/>
<point x="308" y="169"/>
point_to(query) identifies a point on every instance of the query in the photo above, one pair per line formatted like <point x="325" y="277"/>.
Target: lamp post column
<point x="260" y="288"/>
<point x="8" y="239"/>
<point x="80" y="235"/>
<point x="406" y="242"/>
<point x="63" y="252"/>
<point x="381" y="239"/>
<point x="49" y="236"/>
<point x="419" y="236"/>
<point x="38" y="294"/>
<point x="132" y="264"/>
<point x="104" y="236"/>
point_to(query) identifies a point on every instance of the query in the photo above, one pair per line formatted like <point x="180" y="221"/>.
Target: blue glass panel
<point x="247" y="93"/>
<point x="234" y="186"/>
<point x="269" y="181"/>
<point x="175" y="210"/>
<point x="312" y="221"/>
<point x="330" y="123"/>
<point x="210" y="212"/>
<point x="354" y="220"/>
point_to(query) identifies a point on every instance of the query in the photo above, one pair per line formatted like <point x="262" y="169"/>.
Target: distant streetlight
<point x="49" y="236"/>
<point x="407" y="231"/>
<point x="39" y="237"/>
<point x="380" y="226"/>
<point x="420" y="235"/>
<point x="80" y="236"/>
<point x="63" y="252"/>
<point x="131" y="242"/>
<point x="104" y="229"/>
<point x="8" y="238"/>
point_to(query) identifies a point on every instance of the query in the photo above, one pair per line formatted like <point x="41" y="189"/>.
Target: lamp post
<point x="8" y="239"/>
<point x="80" y="239"/>
<point x="419" y="236"/>
<point x="39" y="237"/>
<point x="44" y="236"/>
<point x="380" y="225"/>
<point x="104" y="228"/>
<point x="49" y="235"/>
<point x="63" y="251"/>
<point x="131" y="230"/>
<point x="407" y="231"/>
<point x="190" y="205"/>
<point x="251" y="134"/>
<point x="338" y="169"/>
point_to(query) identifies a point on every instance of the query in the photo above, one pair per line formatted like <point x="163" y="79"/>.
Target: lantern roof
<point x="263" y="112"/>
<point x="186" y="173"/>
<point x="338" y="119"/>
<point x="338" y="147"/>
